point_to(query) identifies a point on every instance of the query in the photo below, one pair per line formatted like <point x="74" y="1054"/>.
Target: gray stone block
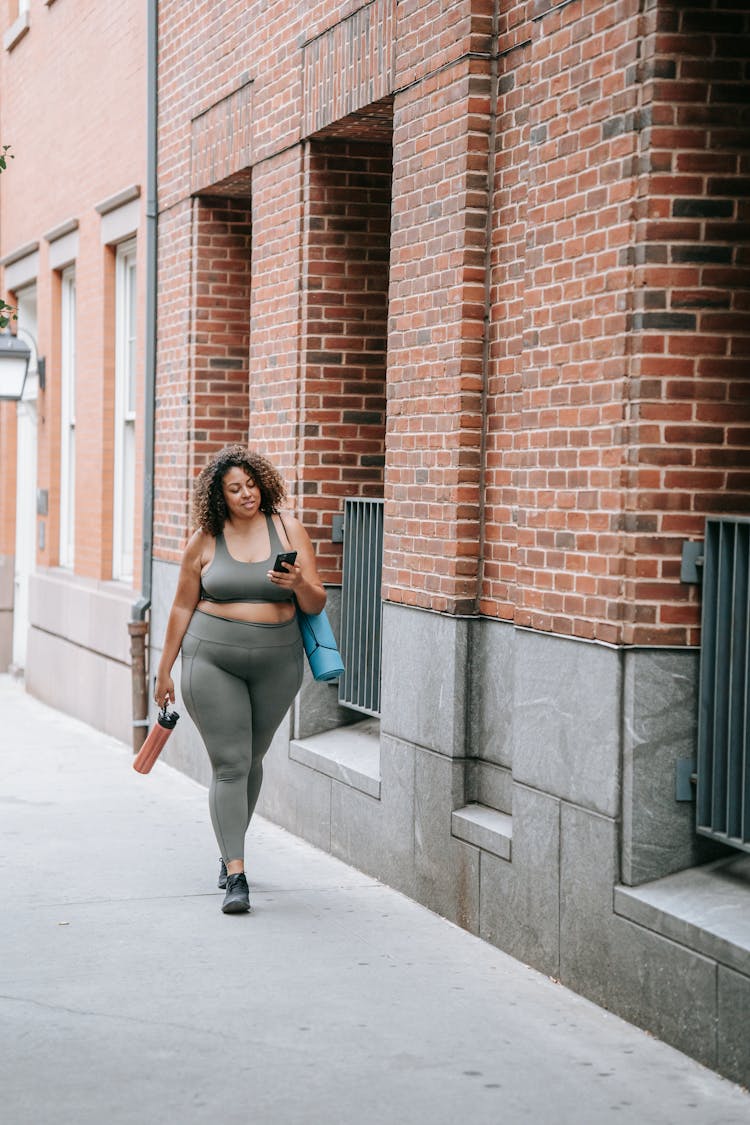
<point x="588" y="872"/>
<point x="7" y="580"/>
<point x="164" y="577"/>
<point x="704" y="908"/>
<point x="733" y="1024"/>
<point x="492" y="689"/>
<point x="666" y="989"/>
<point x="92" y="615"/>
<point x="295" y="796"/>
<point x="567" y="720"/>
<point x="6" y="638"/>
<point x="378" y="836"/>
<point x="520" y="901"/>
<point x="489" y="785"/>
<point x="349" y="754"/>
<point x="424" y="678"/>
<point x="660" y="713"/>
<point x="447" y="869"/>
<point x="487" y="829"/>
<point x="81" y="683"/>
<point x="661" y="986"/>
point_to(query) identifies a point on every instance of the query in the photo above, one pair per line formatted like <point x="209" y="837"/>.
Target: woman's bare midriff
<point x="261" y="613"/>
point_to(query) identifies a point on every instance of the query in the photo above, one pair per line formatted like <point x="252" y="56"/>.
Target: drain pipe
<point x="138" y="625"/>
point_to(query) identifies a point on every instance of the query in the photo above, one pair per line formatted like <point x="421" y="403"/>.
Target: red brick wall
<point x="689" y="409"/>
<point x="617" y="383"/>
<point x="565" y="382"/>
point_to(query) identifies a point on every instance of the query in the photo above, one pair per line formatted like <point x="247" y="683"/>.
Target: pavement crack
<point x="107" y="1015"/>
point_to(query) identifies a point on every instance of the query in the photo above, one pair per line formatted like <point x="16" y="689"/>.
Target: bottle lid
<point x="168" y="719"/>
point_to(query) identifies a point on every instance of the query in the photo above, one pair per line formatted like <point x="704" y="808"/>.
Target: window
<point x="125" y="363"/>
<point x="68" y="417"/>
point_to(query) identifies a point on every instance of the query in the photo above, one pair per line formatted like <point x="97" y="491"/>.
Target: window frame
<point x="68" y="306"/>
<point x="125" y="413"/>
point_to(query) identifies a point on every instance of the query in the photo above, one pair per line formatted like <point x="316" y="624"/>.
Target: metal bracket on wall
<point x="692" y="559"/>
<point x="685" y="779"/>
<point x="337" y="530"/>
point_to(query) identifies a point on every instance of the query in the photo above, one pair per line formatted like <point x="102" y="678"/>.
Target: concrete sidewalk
<point x="126" y="996"/>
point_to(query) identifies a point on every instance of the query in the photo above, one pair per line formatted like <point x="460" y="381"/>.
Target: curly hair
<point x="209" y="507"/>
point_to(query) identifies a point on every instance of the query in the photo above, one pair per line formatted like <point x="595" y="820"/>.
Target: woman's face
<point x="241" y="494"/>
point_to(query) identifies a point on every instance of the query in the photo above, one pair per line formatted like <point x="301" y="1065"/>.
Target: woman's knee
<point x="232" y="774"/>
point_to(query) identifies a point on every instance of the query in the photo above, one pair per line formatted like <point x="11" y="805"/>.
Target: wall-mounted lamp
<point x="14" y="365"/>
<point x="16" y="358"/>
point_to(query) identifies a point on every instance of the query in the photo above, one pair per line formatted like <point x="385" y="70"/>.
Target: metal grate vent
<point x="361" y="606"/>
<point x="723" y="796"/>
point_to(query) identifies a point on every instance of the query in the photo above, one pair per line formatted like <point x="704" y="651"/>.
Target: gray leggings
<point x="238" y="681"/>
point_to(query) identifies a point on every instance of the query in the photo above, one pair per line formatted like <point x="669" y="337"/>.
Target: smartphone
<point x="284" y="557"/>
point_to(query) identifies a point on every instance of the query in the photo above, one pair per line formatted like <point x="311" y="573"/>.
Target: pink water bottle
<point x="157" y="736"/>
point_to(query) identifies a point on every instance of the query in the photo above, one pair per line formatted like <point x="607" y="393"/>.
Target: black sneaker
<point x="237" y="898"/>
<point x="222" y="875"/>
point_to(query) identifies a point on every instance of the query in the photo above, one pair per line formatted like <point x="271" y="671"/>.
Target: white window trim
<point x="19" y="27"/>
<point x="67" y="416"/>
<point x="123" y="507"/>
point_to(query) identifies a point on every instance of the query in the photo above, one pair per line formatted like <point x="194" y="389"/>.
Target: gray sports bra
<point x="229" y="580"/>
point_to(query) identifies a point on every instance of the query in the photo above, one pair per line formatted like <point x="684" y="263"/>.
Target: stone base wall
<point x="78" y="656"/>
<point x="590" y="734"/>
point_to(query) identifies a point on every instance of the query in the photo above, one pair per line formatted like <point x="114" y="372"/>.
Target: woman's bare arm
<point x="186" y="599"/>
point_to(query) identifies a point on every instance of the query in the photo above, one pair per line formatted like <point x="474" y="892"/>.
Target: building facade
<point x="72" y="107"/>
<point x="485" y="262"/>
<point x="474" y="275"/>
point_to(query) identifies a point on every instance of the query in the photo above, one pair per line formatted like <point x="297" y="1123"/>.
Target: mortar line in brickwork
<point x="484" y="56"/>
<point x="339" y="22"/>
<point x="552" y="8"/>
<point x="515" y="47"/>
<point x="486" y="323"/>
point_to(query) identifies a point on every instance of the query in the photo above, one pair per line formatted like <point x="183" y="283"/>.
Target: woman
<point x="234" y="618"/>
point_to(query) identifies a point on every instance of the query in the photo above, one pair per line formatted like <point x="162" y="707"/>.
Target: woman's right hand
<point x="164" y="689"/>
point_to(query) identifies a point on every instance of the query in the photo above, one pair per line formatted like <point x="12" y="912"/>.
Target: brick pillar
<point x="343" y="396"/>
<point x="220" y="333"/>
<point x="276" y="310"/>
<point x="435" y="344"/>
